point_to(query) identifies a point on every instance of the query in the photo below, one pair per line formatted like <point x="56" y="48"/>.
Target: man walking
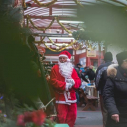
<point x="100" y="81"/>
<point x="65" y="81"/>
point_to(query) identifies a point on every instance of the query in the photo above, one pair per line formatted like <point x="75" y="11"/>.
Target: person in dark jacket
<point x="115" y="93"/>
<point x="84" y="74"/>
<point x="90" y="73"/>
<point x="77" y="68"/>
<point x="100" y="81"/>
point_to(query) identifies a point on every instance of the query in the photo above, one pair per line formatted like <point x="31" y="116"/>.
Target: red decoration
<point x="15" y="3"/>
<point x="37" y="117"/>
<point x="41" y="50"/>
<point x="20" y="120"/>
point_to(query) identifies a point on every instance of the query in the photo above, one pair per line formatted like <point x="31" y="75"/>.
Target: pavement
<point x="89" y="118"/>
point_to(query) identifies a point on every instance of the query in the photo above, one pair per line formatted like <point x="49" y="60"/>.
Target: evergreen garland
<point x="80" y="35"/>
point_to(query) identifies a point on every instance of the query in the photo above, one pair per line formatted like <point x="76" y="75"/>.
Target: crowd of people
<point x="86" y="76"/>
<point x="109" y="79"/>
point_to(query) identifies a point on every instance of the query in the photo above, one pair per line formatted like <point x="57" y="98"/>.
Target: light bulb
<point x="82" y="29"/>
<point x="57" y="48"/>
<point x="64" y="45"/>
<point x="88" y="49"/>
<point x="70" y="35"/>
<point x="57" y="30"/>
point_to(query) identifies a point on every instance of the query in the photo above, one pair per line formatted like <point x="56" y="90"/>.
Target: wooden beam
<point x="51" y="17"/>
<point x="59" y="28"/>
<point x="55" y="6"/>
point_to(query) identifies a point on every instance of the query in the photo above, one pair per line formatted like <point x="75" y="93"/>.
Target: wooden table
<point x="90" y="100"/>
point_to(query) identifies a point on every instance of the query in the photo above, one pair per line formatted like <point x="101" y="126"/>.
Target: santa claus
<point x="65" y="81"/>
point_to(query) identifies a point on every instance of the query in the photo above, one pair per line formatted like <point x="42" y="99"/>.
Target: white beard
<point x="65" y="69"/>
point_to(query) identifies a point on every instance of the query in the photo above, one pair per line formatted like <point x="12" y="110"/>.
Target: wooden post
<point x="27" y="22"/>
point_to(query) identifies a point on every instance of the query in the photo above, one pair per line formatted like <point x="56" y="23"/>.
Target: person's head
<point x="65" y="66"/>
<point x="90" y="67"/>
<point x="108" y="56"/>
<point x="64" y="56"/>
<point x="63" y="59"/>
<point x="122" y="59"/>
<point x="79" y="65"/>
<point x="85" y="68"/>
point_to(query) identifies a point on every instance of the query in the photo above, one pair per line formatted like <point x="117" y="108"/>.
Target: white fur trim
<point x="63" y="55"/>
<point x="111" y="71"/>
<point x="66" y="98"/>
<point x="67" y="87"/>
<point x="64" y="102"/>
<point x="68" y="60"/>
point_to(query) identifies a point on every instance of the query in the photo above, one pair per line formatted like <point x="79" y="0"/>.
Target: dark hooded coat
<point x="115" y="96"/>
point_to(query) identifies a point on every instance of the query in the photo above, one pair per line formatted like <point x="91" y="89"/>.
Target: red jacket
<point x="59" y="84"/>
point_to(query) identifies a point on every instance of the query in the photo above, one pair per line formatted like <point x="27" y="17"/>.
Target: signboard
<point x="91" y="53"/>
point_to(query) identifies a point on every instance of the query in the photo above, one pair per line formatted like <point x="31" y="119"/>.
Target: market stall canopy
<point x="66" y="10"/>
<point x="45" y="21"/>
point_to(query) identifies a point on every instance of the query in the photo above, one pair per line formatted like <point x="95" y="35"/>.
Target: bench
<point x="90" y="101"/>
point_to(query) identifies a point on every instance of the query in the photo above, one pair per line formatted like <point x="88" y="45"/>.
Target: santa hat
<point x="65" y="54"/>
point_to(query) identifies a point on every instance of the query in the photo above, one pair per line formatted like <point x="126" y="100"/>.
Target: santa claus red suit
<point x="65" y="81"/>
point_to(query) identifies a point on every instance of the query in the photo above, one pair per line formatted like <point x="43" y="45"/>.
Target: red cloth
<point x="59" y="84"/>
<point x="66" y="113"/>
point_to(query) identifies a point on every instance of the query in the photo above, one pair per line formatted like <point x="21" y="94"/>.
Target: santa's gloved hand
<point x="68" y="86"/>
<point x="70" y="81"/>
